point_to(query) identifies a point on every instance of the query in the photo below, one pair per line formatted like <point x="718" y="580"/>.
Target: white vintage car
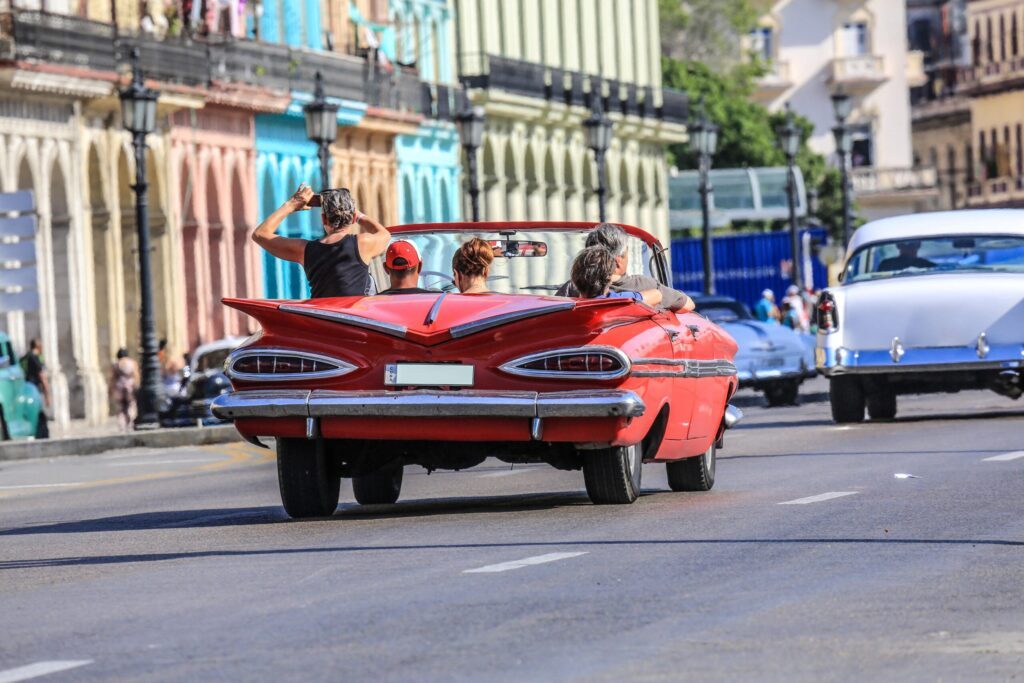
<point x="928" y="303"/>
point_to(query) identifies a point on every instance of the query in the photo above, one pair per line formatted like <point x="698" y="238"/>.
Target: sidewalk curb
<point x="90" y="445"/>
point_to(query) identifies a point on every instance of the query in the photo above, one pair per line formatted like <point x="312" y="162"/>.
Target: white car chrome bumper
<point x="843" y="361"/>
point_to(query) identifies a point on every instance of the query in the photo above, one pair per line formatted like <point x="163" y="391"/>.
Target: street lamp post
<point x="703" y="143"/>
<point x="138" y="115"/>
<point x="842" y="105"/>
<point x="470" y="121"/>
<point x="599" y="139"/>
<point x="322" y="127"/>
<point x="789" y="140"/>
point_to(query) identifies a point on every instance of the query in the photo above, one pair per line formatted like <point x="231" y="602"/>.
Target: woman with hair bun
<point x="337" y="264"/>
<point x="471" y="265"/>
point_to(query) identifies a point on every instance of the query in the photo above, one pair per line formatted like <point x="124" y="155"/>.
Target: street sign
<point x="23" y="252"/>
<point x="19" y="301"/>
<point x="18" y="275"/>
<point x="20" y="226"/>
<point x="22" y="201"/>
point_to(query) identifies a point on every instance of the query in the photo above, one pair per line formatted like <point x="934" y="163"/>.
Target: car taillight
<point x="585" y="362"/>
<point x="827" y="319"/>
<point x="274" y="364"/>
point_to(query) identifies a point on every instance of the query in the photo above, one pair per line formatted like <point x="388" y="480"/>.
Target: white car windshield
<point x="929" y="255"/>
<point x="535" y="261"/>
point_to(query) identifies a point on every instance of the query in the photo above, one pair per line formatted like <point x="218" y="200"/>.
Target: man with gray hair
<point x="616" y="240"/>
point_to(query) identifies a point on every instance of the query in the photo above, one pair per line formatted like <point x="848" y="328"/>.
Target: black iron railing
<point x="44" y="37"/>
<point x="573" y="88"/>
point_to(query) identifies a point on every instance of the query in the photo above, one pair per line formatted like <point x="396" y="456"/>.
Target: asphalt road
<point x="179" y="565"/>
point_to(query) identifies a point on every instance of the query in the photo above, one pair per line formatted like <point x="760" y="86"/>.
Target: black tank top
<point x="336" y="269"/>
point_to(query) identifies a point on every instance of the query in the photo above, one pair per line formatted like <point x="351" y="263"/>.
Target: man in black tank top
<point x="339" y="263"/>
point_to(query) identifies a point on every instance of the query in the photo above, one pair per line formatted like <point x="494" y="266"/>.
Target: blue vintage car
<point x="771" y="358"/>
<point x="20" y="402"/>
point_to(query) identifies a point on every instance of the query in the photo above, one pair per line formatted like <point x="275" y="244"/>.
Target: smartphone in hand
<point x="314" y="201"/>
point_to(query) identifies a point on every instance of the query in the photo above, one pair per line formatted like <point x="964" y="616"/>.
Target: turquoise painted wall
<point x="428" y="162"/>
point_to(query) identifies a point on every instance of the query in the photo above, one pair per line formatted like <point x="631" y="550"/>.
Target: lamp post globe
<point x="470" y="123"/>
<point x="599" y="139"/>
<point x="138" y="115"/>
<point x="321" y="126"/>
<point x="789" y="140"/>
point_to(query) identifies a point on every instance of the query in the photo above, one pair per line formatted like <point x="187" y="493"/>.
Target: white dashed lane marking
<point x="1005" y="456"/>
<point x="40" y="486"/>
<point x="519" y="564"/>
<point x="819" y="498"/>
<point x="24" y="673"/>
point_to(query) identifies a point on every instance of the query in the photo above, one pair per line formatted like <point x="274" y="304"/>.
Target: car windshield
<point x="212" y="360"/>
<point x="723" y="311"/>
<point x="928" y="255"/>
<point x="533" y="270"/>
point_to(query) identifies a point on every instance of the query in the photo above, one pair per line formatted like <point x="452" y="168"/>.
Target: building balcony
<point x="530" y="79"/>
<point x="947" y="111"/>
<point x="218" y="62"/>
<point x="774" y="82"/>
<point x="1006" y="191"/>
<point x="883" y="185"/>
<point x="992" y="78"/>
<point x="860" y="73"/>
<point x="916" y="75"/>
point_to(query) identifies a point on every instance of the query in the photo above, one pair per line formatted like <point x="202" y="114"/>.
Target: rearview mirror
<point x="513" y="248"/>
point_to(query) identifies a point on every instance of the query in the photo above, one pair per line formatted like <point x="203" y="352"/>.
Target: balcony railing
<point x="775" y="80"/>
<point x="76" y="42"/>
<point x="992" y="77"/>
<point x="884" y="181"/>
<point x="572" y="88"/>
<point x="860" y="71"/>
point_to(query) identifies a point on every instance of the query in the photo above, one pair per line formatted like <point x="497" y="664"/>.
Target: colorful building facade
<point x="428" y="161"/>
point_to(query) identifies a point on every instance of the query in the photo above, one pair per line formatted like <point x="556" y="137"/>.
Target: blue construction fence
<point x="745" y="265"/>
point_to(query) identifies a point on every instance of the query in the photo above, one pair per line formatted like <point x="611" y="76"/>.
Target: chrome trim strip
<point x="347" y="319"/>
<point x="432" y="313"/>
<point x="589" y="404"/>
<point x="487" y="323"/>
<point x="688" y="368"/>
<point x="512" y="367"/>
<point x="424" y="403"/>
<point x="841" y="361"/>
<point x="268" y="403"/>
<point x="341" y="367"/>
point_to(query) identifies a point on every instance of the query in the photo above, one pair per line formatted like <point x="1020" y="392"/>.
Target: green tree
<point x="708" y="31"/>
<point x="747" y="130"/>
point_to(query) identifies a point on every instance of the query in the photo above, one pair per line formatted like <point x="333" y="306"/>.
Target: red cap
<point x="402" y="255"/>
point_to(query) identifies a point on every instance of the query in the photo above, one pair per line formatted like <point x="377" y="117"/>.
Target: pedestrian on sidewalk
<point x="35" y="373"/>
<point x="124" y="382"/>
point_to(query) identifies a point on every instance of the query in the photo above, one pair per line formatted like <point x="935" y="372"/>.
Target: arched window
<point x="1002" y="38"/>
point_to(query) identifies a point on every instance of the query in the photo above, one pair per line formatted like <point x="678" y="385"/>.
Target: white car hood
<point x="949" y="309"/>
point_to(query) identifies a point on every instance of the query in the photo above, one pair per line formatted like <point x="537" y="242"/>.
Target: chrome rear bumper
<point x="426" y="403"/>
<point x="843" y="361"/>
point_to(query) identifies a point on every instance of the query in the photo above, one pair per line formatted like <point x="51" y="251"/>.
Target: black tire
<point x="612" y="475"/>
<point x="381" y="487"/>
<point x="693" y="474"/>
<point x="783" y="393"/>
<point x="309" y="487"/>
<point x="882" y="405"/>
<point x="4" y="434"/>
<point x="847" y="398"/>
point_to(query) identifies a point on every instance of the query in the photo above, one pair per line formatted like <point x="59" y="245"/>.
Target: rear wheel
<point x="847" y="398"/>
<point x="4" y="434"/>
<point x="882" y="405"/>
<point x="782" y="393"/>
<point x="309" y="487"/>
<point x="381" y="487"/>
<point x="693" y="474"/>
<point x="612" y="475"/>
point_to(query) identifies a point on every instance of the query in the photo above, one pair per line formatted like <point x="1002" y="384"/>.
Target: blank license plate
<point x="428" y="375"/>
<point x="773" y="362"/>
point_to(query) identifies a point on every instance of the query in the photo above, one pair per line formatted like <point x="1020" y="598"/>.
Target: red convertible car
<point x="361" y="386"/>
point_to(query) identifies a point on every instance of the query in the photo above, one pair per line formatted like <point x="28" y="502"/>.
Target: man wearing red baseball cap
<point x="403" y="264"/>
